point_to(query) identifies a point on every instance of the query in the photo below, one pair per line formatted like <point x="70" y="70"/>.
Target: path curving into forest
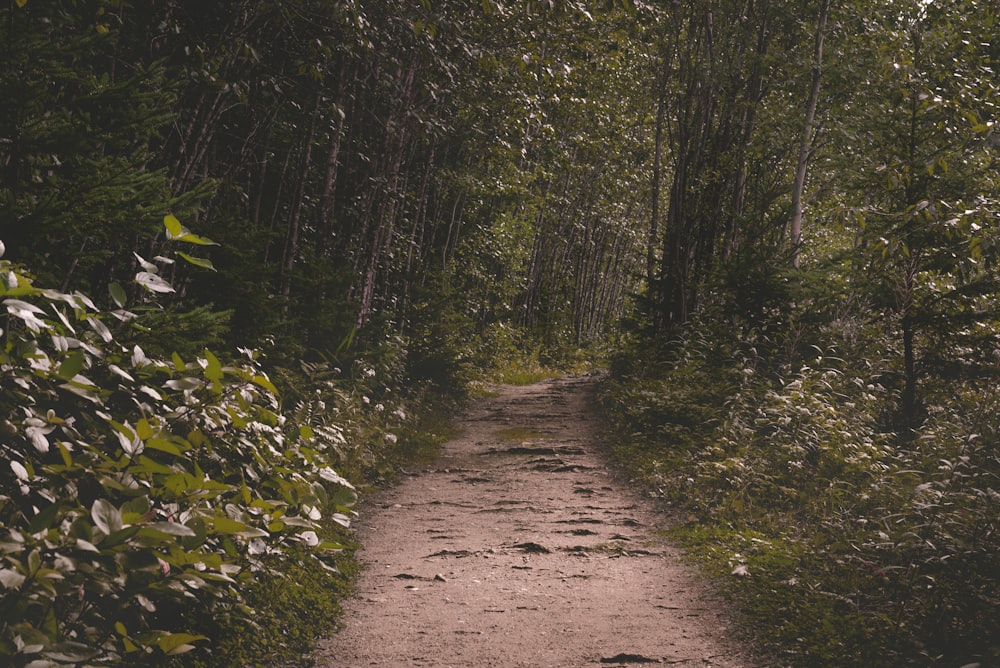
<point x="520" y="547"/>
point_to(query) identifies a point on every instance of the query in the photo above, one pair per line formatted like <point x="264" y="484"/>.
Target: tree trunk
<point x="654" y="217"/>
<point x="806" y="141"/>
<point x="291" y="251"/>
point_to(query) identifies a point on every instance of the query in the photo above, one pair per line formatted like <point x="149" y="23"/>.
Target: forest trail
<point x="519" y="546"/>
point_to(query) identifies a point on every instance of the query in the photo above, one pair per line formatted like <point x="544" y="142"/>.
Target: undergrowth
<point x="843" y="543"/>
<point x="171" y="512"/>
<point x="297" y="602"/>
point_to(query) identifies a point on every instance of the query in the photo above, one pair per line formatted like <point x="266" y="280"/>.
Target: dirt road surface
<point x="519" y="547"/>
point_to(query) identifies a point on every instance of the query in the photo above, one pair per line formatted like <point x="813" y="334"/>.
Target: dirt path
<point x="519" y="548"/>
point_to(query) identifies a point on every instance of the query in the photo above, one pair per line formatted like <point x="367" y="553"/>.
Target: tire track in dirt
<point x="518" y="547"/>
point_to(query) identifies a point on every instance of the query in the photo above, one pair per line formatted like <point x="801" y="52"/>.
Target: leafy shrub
<point x="134" y="487"/>
<point x="863" y="548"/>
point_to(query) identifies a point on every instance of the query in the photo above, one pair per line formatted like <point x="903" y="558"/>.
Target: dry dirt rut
<point x="518" y="547"/>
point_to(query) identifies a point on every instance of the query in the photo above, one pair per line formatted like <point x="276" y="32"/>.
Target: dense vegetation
<point x="244" y="241"/>
<point x="815" y="386"/>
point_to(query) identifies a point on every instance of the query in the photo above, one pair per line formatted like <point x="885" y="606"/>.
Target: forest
<point x="250" y="248"/>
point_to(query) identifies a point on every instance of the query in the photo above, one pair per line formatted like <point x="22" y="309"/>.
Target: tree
<point x="931" y="199"/>
<point x="808" y="140"/>
<point x="81" y="186"/>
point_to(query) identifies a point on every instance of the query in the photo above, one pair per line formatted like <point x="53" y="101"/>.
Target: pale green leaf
<point x="168" y="528"/>
<point x="177" y="643"/>
<point x="146" y="264"/>
<point x="11" y="579"/>
<point x="213" y="370"/>
<point x="173" y="226"/>
<point x="202" y="262"/>
<point x="197" y="240"/>
<point x="106" y="517"/>
<point x="152" y="282"/>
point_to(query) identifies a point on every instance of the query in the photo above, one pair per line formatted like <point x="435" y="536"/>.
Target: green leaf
<point x="64" y="452"/>
<point x="34" y="562"/>
<point x="119" y="537"/>
<point x="138" y="507"/>
<point x="147" y="465"/>
<point x="46" y="518"/>
<point x="262" y="381"/>
<point x="200" y="534"/>
<point x="238" y="420"/>
<point x="118" y="295"/>
<point x="230" y="527"/>
<point x="330" y="545"/>
<point x="202" y="262"/>
<point x="344" y="497"/>
<point x="178" y="362"/>
<point x="143" y="429"/>
<point x="71" y="366"/>
<point x="177" y="643"/>
<point x="163" y="445"/>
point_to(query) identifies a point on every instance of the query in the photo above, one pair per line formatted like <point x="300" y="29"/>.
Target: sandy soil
<point x="519" y="547"/>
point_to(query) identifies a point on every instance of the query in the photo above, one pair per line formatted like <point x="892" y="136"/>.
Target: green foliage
<point x="295" y="601"/>
<point x="439" y="335"/>
<point x="859" y="552"/>
<point x="411" y="193"/>
<point x="80" y="181"/>
<point x="135" y="486"/>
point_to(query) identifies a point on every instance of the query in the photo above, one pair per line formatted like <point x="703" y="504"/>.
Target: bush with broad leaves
<point x="132" y="488"/>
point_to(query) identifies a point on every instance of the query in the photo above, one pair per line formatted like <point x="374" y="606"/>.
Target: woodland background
<point x="249" y="245"/>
